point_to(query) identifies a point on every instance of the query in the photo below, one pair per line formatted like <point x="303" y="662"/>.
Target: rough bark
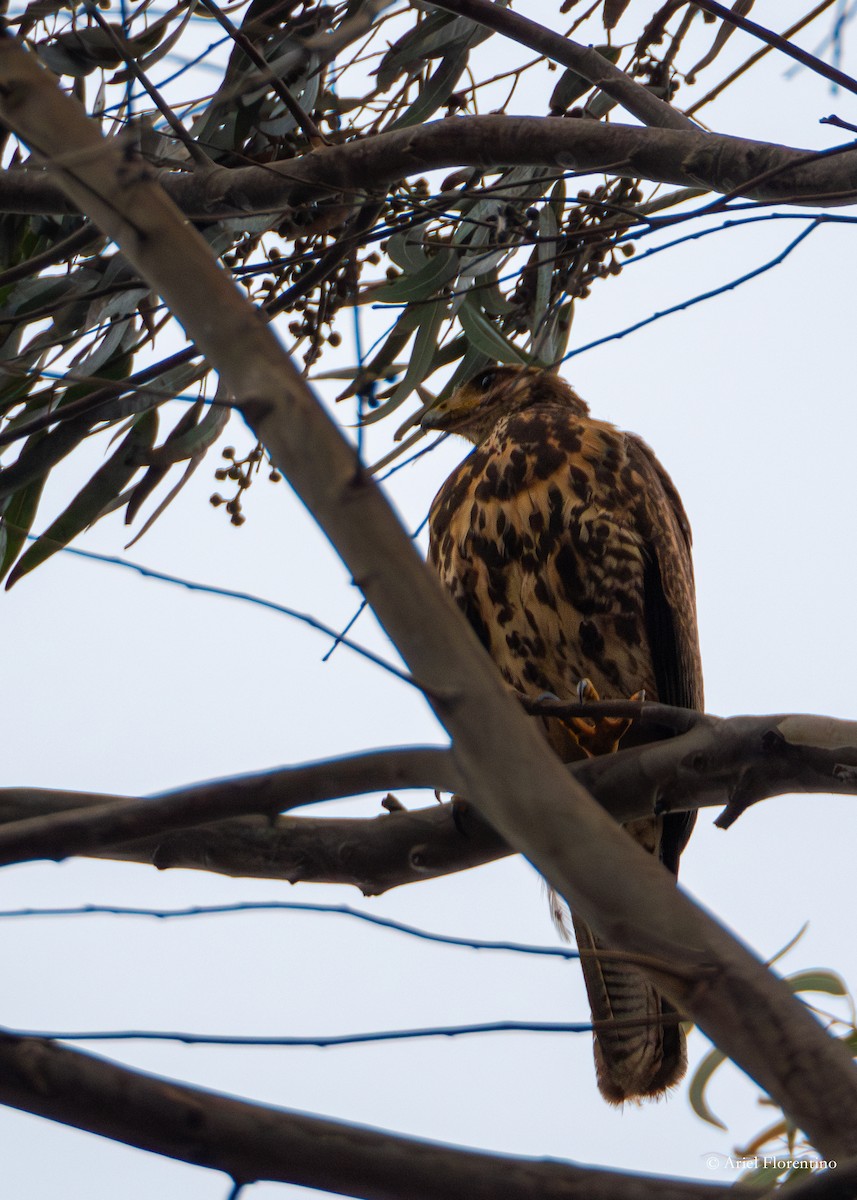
<point x="251" y="1142"/>
<point x="716" y="162"/>
<point x="729" y="763"/>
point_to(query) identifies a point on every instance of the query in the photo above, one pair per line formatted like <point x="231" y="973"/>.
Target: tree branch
<point x="732" y="762"/>
<point x="507" y="770"/>
<point x="588" y="63"/>
<point x="95" y="822"/>
<point x="686" y="158"/>
<point x="778" y="42"/>
<point x="252" y="1142"/>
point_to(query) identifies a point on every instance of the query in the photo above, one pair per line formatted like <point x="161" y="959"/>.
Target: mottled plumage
<point x="565" y="544"/>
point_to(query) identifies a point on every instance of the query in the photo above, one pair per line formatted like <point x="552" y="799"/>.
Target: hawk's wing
<point x="670" y="609"/>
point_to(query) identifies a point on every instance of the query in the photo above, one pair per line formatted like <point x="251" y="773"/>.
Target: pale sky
<point x="118" y="684"/>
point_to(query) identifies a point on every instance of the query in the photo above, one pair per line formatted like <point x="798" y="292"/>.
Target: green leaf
<point x="405" y="251"/>
<point x="161" y="459"/>
<point x="698" y="1084"/>
<point x="472" y="362"/>
<point x="439" y="269"/>
<point x="486" y="339"/>
<point x="438" y="36"/>
<point x="194" y="439"/>
<point x="545" y="255"/>
<point x="817" y="981"/>
<point x="571" y="86"/>
<point x="16" y="522"/>
<point x="425" y="346"/>
<point x="90" y="502"/>
<point x="81" y="51"/>
<point x="435" y="92"/>
<point x="381" y="364"/>
<point x="40" y="454"/>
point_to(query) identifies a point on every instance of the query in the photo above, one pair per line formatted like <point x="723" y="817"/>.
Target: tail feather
<point x="645" y="1052"/>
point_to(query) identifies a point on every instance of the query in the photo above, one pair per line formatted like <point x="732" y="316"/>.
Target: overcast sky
<point x="122" y="685"/>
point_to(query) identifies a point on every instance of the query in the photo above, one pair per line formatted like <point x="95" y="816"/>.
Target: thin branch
<point x="304" y="121"/>
<point x="683" y="305"/>
<point x="251" y="1142"/>
<point x="80" y="240"/>
<point x="288" y="906"/>
<point x="84" y="831"/>
<point x="196" y="152"/>
<point x="246" y="598"/>
<point x="326" y="1041"/>
<point x="805" y="20"/>
<point x="779" y="42"/>
<point x="91" y="405"/>
<point x="588" y="63"/>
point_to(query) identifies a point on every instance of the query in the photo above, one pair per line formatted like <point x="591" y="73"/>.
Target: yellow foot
<point x="598" y="735"/>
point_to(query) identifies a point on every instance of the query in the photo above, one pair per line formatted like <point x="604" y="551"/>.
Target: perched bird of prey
<point x="565" y="544"/>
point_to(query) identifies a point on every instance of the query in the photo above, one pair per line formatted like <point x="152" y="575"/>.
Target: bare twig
<point x="305" y="122"/>
<point x="805" y="20"/>
<point x="588" y="63"/>
<point x="196" y="152"/>
<point x="779" y="42"/>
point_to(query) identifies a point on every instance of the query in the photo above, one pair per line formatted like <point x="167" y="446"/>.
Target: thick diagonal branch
<point x="506" y="769"/>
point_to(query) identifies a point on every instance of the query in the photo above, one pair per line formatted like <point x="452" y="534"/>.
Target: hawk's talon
<point x="598" y="735"/>
<point x="460" y="810"/>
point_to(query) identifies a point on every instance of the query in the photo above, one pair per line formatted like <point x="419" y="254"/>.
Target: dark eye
<point x="485" y="380"/>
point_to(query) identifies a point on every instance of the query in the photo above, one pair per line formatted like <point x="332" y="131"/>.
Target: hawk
<point x="565" y="544"/>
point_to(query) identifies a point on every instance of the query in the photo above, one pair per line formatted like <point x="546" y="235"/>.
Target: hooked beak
<point x="436" y="418"/>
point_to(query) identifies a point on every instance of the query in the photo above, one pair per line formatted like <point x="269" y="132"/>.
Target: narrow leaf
<point x="88" y="505"/>
<point x="486" y="339"/>
<point x="17" y="521"/>
<point x="698" y="1084"/>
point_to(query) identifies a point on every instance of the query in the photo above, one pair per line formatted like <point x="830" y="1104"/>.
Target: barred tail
<point x="644" y="1053"/>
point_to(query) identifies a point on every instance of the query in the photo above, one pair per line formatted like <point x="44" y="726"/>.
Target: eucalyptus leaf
<point x="545" y="255"/>
<point x="16" y="520"/>
<point x="415" y="46"/>
<point x="440" y="268"/>
<point x="571" y="86"/>
<point x="405" y="249"/>
<point x="189" y="441"/>
<point x="824" y="981"/>
<point x="701" y="1078"/>
<point x="377" y="367"/>
<point x="425" y="345"/>
<point x="81" y="51"/>
<point x="90" y="502"/>
<point x="40" y="453"/>
<point x="486" y="339"/>
<point x="435" y="92"/>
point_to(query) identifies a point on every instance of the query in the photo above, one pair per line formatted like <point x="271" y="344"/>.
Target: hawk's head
<point x="496" y="392"/>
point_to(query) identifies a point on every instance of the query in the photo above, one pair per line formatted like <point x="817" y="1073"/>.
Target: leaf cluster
<point x="487" y="264"/>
